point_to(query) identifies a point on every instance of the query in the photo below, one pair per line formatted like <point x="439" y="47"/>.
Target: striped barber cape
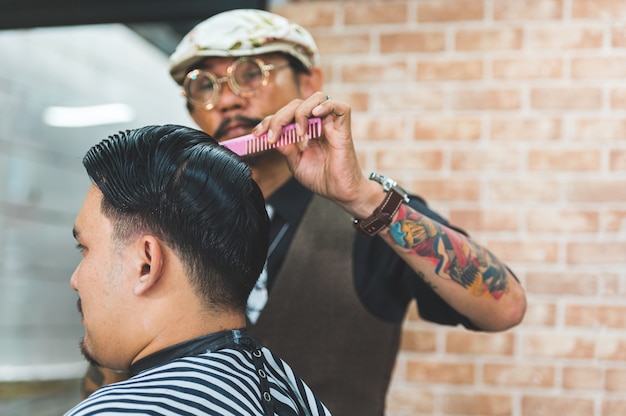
<point x="233" y="380"/>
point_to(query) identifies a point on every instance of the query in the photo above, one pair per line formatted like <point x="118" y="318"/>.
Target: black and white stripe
<point x="220" y="383"/>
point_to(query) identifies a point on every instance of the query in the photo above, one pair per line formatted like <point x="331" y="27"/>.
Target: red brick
<point x="598" y="191"/>
<point x="483" y="160"/>
<point x="533" y="68"/>
<point x="599" y="68"/>
<point x="528" y="10"/>
<point x="611" y="347"/>
<point x="565" y="38"/>
<point x="582" y="378"/>
<point x="535" y="252"/>
<point x="596" y="130"/>
<point x="411" y="400"/>
<point x="602" y="9"/>
<point x="613" y="286"/>
<point x="618" y="99"/>
<point x="486" y="219"/>
<point x="465" y="70"/>
<point x="613" y="407"/>
<point x="563" y="283"/>
<point x="468" y="342"/>
<point x="561" y="344"/>
<point x="487" y="99"/>
<point x="404" y="42"/>
<point x="450" y="10"/>
<point x="526" y="190"/>
<point x="598" y="253"/>
<point x="432" y="371"/>
<point x="477" y="404"/>
<point x="565" y="160"/>
<point x="594" y="316"/>
<point x="375" y="13"/>
<point x="411" y="100"/>
<point x="447" y="190"/>
<point x="542" y="314"/>
<point x="615" y="220"/>
<point x="359" y="101"/>
<point x="526" y="129"/>
<point x="466" y="129"/>
<point x="412" y="314"/>
<point x="310" y="16"/>
<point x="561" y="220"/>
<point x="556" y="405"/>
<point x="488" y="40"/>
<point x="399" y="160"/>
<point x="566" y="98"/>
<point x="618" y="36"/>
<point x="328" y="73"/>
<point x="387" y="129"/>
<point x="419" y="340"/>
<point x="522" y="375"/>
<point x="615" y="380"/>
<point x="617" y="160"/>
<point x="342" y="43"/>
<point x="375" y="71"/>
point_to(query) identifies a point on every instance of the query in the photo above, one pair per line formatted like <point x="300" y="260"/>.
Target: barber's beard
<point x="247" y="122"/>
<point x="243" y="121"/>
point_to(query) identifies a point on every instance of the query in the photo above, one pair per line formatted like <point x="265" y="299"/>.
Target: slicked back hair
<point x="197" y="197"/>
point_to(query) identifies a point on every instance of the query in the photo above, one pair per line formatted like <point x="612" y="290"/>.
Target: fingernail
<point x="270" y="135"/>
<point x="298" y="130"/>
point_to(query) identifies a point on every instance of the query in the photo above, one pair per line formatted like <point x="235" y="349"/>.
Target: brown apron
<point x="315" y="322"/>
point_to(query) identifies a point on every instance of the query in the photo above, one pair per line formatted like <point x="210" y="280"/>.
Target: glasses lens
<point x="200" y="87"/>
<point x="247" y="75"/>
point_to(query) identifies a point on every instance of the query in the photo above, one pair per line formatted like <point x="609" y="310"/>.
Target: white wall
<point x="42" y="182"/>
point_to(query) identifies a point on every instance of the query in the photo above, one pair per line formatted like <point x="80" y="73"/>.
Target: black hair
<point x="196" y="196"/>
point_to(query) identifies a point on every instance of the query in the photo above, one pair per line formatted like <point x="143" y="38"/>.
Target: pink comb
<point x="251" y="144"/>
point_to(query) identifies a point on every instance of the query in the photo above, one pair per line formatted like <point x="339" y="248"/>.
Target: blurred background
<point x="71" y="73"/>
<point x="507" y="116"/>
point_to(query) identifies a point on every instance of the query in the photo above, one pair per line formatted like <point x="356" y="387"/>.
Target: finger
<point x="305" y="111"/>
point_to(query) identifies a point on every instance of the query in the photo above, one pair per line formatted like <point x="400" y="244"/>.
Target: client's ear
<point x="149" y="263"/>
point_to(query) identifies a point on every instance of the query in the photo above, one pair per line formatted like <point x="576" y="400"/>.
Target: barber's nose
<point x="229" y="100"/>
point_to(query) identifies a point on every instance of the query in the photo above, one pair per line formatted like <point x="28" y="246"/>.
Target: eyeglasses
<point x="245" y="77"/>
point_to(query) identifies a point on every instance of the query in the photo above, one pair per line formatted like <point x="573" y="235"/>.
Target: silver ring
<point x="328" y="98"/>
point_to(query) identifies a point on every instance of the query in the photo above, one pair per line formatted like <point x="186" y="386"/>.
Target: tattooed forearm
<point x="453" y="255"/>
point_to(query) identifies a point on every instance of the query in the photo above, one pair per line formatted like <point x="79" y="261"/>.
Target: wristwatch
<point x="383" y="214"/>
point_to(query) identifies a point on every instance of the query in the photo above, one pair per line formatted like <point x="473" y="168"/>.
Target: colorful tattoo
<point x="454" y="256"/>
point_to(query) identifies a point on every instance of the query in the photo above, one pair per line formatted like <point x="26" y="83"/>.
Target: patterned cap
<point x="242" y="32"/>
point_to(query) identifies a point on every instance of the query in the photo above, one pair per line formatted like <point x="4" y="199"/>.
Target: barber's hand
<point x="327" y="165"/>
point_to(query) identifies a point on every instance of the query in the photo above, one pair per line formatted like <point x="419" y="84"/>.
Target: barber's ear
<point x="149" y="263"/>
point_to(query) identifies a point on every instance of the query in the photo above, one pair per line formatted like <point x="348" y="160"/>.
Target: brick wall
<point x="509" y="117"/>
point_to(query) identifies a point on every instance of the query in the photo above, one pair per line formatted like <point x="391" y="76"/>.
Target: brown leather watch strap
<point x="382" y="215"/>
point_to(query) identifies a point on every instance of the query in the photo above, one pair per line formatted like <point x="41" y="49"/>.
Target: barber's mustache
<point x="238" y="120"/>
<point x="79" y="306"/>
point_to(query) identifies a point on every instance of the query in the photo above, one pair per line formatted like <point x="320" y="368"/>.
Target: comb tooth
<point x="260" y="145"/>
<point x="292" y="136"/>
<point x="316" y="127"/>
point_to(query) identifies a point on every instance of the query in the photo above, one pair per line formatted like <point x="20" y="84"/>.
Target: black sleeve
<point x="386" y="285"/>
